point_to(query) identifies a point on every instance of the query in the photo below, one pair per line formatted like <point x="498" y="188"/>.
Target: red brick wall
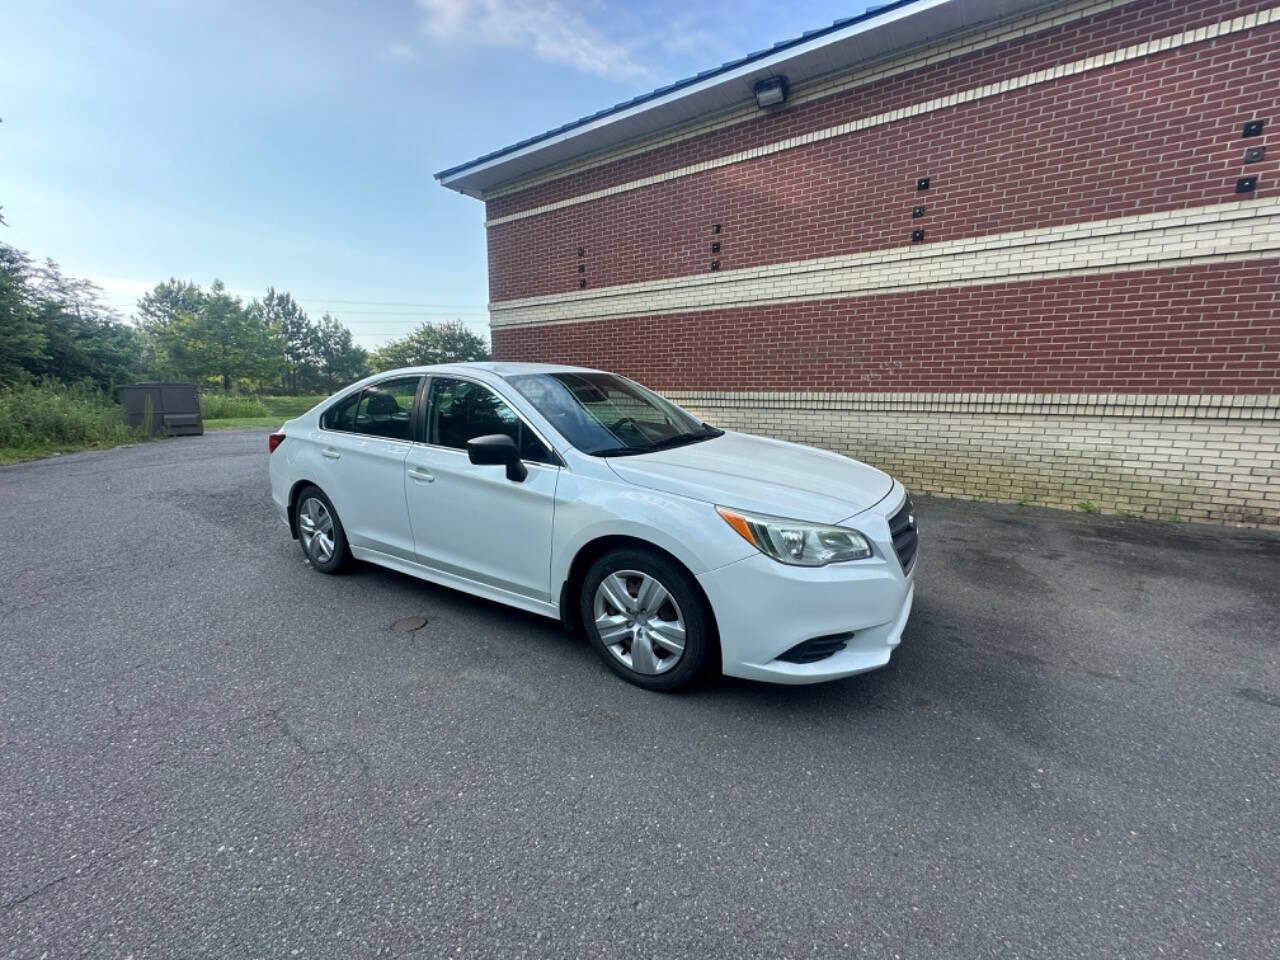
<point x="1158" y="133"/>
<point x="1126" y="25"/>
<point x="1201" y="329"/>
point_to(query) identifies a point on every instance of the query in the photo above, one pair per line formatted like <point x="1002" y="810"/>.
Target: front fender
<point x="590" y="508"/>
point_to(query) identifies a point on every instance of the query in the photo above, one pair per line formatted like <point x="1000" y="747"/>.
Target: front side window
<point x="382" y="410"/>
<point x="606" y="415"/>
<point x="461" y="410"/>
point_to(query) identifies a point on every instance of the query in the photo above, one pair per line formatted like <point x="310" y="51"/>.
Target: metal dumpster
<point x="175" y="407"/>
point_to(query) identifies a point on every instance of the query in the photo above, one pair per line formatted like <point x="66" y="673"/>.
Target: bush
<point x="226" y="406"/>
<point x="48" y="415"/>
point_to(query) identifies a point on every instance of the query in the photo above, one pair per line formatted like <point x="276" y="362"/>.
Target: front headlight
<point x="795" y="542"/>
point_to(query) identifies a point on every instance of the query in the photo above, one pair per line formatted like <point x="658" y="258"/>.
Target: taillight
<point x="274" y="441"/>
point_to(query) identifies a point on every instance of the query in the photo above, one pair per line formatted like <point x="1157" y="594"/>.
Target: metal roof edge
<point x="866" y="22"/>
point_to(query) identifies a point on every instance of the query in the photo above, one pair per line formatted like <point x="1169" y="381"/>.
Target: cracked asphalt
<point x="209" y="750"/>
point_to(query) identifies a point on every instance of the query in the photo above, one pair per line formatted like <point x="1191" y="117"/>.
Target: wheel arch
<point x="593" y="550"/>
<point x="292" y="509"/>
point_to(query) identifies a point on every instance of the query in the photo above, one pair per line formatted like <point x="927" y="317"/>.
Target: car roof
<point x="500" y="368"/>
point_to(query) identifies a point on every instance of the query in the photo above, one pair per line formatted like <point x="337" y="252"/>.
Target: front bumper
<point x="764" y="608"/>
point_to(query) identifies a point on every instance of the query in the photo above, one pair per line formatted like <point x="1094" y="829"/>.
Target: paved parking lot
<point x="210" y="750"/>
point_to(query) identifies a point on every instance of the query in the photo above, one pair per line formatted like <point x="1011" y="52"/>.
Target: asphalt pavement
<point x="209" y="750"/>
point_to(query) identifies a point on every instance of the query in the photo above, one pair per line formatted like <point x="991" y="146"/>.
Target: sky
<point x="292" y="144"/>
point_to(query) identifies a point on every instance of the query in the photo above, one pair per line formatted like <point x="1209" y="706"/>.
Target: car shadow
<point x="934" y="669"/>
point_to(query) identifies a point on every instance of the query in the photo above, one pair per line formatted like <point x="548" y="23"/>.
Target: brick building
<point x="1003" y="249"/>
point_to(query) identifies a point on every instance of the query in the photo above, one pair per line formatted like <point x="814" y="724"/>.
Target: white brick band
<point x="1160" y="463"/>
<point x="1241" y="230"/>
<point x="1133" y="52"/>
<point x="1190" y="406"/>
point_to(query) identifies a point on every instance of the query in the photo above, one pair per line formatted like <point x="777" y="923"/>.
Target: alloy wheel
<point x="315" y="526"/>
<point x="639" y="621"/>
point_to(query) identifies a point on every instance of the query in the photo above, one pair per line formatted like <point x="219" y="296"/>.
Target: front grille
<point x="819" y="648"/>
<point x="902" y="526"/>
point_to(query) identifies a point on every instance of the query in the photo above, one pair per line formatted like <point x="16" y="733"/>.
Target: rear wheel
<point x="645" y="618"/>
<point x="320" y="531"/>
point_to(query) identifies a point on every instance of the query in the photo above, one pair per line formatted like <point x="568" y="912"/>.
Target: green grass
<point x="44" y="419"/>
<point x="242" y="423"/>
<point x="245" y="412"/>
<point x="41" y="419"/>
<point x="286" y="408"/>
<point x="219" y="406"/>
<point x="38" y="451"/>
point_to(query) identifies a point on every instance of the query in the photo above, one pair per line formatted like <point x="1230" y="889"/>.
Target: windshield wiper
<point x="680" y="439"/>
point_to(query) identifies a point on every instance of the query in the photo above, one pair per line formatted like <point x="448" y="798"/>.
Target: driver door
<point x="470" y="521"/>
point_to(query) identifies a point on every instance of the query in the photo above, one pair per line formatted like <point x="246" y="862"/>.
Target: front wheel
<point x="646" y="619"/>
<point x="320" y="531"/>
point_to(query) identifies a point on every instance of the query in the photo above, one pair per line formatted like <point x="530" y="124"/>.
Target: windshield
<point x="607" y="416"/>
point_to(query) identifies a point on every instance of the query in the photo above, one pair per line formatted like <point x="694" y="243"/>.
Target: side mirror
<point x="497" y="450"/>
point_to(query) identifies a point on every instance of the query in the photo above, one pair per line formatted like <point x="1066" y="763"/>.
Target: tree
<point x="288" y="320"/>
<point x="85" y="340"/>
<point x="55" y="326"/>
<point x="219" y="340"/>
<point x="22" y="342"/>
<point x="340" y="360"/>
<point x="158" y="310"/>
<point x="452" y="342"/>
<point x="167" y="302"/>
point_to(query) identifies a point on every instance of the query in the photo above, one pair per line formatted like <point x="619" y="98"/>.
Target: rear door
<point x="471" y="521"/>
<point x="364" y="439"/>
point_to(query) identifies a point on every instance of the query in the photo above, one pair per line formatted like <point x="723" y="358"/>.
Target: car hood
<point x="761" y="475"/>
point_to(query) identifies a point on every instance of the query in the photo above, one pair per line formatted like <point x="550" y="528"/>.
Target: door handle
<point x="417" y="473"/>
<point x="330" y="454"/>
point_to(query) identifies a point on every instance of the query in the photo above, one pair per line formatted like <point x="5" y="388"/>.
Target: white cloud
<point x="400" y="51"/>
<point x="553" y="32"/>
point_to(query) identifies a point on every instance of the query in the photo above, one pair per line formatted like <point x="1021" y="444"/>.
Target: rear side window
<point x="460" y="410"/>
<point x="382" y="410"/>
<point x="342" y="415"/>
<point x="386" y="408"/>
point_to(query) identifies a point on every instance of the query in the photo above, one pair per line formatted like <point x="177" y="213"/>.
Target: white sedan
<point x="581" y="495"/>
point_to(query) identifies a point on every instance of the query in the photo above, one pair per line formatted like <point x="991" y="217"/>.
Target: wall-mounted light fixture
<point x="771" y="91"/>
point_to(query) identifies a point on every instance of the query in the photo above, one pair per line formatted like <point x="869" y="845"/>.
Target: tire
<point x="646" y="619"/>
<point x="315" y="518"/>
